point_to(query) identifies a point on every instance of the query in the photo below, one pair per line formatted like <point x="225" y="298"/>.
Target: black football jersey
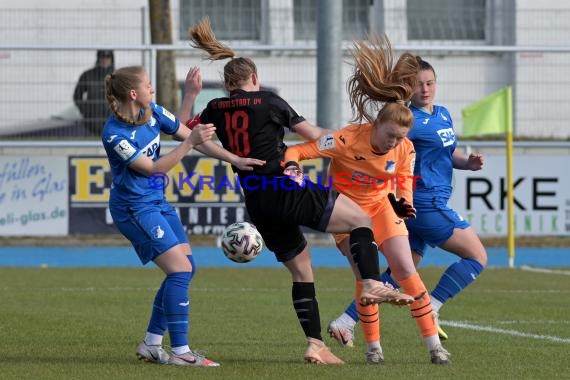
<point x="251" y="124"/>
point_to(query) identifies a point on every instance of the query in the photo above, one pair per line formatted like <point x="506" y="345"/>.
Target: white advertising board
<point x="541" y="195"/>
<point x="34" y="195"/>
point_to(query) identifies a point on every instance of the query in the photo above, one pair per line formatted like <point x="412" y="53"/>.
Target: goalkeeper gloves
<point x="293" y="170"/>
<point x="402" y="207"/>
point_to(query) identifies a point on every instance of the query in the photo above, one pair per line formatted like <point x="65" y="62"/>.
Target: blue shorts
<point x="152" y="229"/>
<point x="433" y="226"/>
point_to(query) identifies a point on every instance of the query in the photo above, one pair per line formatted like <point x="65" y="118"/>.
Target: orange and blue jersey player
<point x="364" y="173"/>
<point x="367" y="163"/>
<point x="371" y="159"/>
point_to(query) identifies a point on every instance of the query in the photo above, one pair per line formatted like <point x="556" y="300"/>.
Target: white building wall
<point x="39" y="83"/>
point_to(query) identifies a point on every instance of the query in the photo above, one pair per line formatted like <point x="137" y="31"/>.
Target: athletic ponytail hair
<point x="379" y="90"/>
<point x="237" y="71"/>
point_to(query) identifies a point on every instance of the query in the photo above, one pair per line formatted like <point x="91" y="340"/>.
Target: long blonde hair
<point x="117" y="88"/>
<point x="237" y="70"/>
<point x="378" y="86"/>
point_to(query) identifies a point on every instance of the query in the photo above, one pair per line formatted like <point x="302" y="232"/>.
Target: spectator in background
<point x="89" y="94"/>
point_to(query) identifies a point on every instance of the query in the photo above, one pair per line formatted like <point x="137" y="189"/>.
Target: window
<point x="231" y="20"/>
<point x="355" y="22"/>
<point x="446" y="19"/>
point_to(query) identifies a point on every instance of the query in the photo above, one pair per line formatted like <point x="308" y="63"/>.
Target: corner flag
<point x="490" y="115"/>
<point x="494" y="115"/>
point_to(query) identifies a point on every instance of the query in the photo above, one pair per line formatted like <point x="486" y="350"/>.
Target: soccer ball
<point x="241" y="242"/>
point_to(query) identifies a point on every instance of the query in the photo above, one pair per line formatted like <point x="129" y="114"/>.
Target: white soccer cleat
<point x="152" y="353"/>
<point x="376" y="356"/>
<point x="343" y="334"/>
<point x="193" y="359"/>
<point x="440" y="355"/>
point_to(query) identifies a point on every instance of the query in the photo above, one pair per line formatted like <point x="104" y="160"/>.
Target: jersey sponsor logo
<point x="124" y="149"/>
<point x="111" y="138"/>
<point x="326" y="142"/>
<point x="447" y="136"/>
<point x="390" y="166"/>
<point x="167" y="113"/>
<point x="366" y="179"/>
<point x="151" y="148"/>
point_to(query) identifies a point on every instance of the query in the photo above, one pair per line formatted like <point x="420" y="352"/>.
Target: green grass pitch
<point x="86" y="324"/>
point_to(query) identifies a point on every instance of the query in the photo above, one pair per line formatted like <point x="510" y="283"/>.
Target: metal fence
<point x="473" y="55"/>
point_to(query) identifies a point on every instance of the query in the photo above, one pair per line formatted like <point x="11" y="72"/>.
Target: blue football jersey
<point x="434" y="140"/>
<point x="124" y="143"/>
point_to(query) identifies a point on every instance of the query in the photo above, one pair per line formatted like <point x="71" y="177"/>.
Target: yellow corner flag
<point x="494" y="115"/>
<point x="490" y="115"/>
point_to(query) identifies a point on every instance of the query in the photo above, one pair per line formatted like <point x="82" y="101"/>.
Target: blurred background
<point x="53" y="173"/>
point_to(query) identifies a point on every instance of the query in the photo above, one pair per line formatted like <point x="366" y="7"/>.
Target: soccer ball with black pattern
<point x="241" y="242"/>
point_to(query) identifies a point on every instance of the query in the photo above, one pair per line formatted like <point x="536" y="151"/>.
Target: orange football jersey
<point x="359" y="173"/>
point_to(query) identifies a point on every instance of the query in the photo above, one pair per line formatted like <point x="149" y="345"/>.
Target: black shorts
<point x="278" y="213"/>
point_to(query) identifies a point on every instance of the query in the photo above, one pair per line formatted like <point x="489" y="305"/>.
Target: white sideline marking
<point x="544" y="270"/>
<point x="534" y="322"/>
<point x="469" y="326"/>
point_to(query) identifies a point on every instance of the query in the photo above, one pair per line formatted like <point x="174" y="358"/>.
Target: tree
<point x="161" y="33"/>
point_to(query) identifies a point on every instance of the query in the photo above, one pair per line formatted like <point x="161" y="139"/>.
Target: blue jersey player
<point x="131" y="137"/>
<point x="436" y="223"/>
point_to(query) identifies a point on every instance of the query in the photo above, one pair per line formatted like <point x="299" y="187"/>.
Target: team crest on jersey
<point x="157" y="232"/>
<point x="326" y="142"/>
<point x="447" y="136"/>
<point x="390" y="166"/>
<point x="124" y="149"/>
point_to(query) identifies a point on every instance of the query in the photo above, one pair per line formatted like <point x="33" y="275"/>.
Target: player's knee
<point x="360" y="219"/>
<point x="479" y="255"/>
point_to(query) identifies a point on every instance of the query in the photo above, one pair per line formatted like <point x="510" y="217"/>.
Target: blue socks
<point x="176" y="302"/>
<point x="456" y="278"/>
<point x="158" y="323"/>
<point x="386" y="278"/>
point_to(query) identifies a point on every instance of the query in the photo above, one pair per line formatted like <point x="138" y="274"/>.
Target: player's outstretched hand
<point x="475" y="162"/>
<point x="201" y="133"/>
<point x="402" y="207"/>
<point x="247" y="164"/>
<point x="193" y="81"/>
